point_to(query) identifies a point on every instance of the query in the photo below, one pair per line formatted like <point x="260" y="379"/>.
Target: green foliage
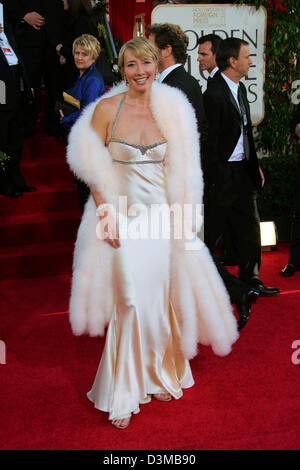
<point x="282" y="70"/>
<point x="3" y="159"/>
<point x="278" y="195"/>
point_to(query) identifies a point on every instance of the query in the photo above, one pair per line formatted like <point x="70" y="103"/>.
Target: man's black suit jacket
<point x="26" y="35"/>
<point x="180" y="78"/>
<point x="12" y="88"/>
<point x="224" y="129"/>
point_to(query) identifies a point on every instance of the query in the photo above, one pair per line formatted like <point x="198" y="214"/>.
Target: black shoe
<point x="263" y="290"/>
<point x="27" y="189"/>
<point x="11" y="192"/>
<point x="289" y="270"/>
<point x="244" y="306"/>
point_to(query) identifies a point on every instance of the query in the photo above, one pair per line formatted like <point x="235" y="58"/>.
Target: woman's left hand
<point x="61" y="114"/>
<point x="107" y="228"/>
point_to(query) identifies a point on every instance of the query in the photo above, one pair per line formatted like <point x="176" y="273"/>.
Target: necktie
<point x="244" y="124"/>
<point x="209" y="80"/>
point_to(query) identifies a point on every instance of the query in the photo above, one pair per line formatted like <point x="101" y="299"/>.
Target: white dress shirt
<point x="213" y="72"/>
<point x="238" y="153"/>
<point x="8" y="50"/>
<point x="166" y="72"/>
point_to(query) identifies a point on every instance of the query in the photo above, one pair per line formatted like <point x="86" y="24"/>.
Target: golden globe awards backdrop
<point x="241" y="21"/>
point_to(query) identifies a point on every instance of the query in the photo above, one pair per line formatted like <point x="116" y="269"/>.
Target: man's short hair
<point x="229" y="47"/>
<point x="167" y="34"/>
<point x="214" y="39"/>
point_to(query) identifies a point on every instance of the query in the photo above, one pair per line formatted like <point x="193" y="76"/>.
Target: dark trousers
<point x="43" y="67"/>
<point x="11" y="143"/>
<point x="294" y="257"/>
<point x="228" y="247"/>
<point x="12" y="137"/>
<point x="235" y="287"/>
<point x="232" y="201"/>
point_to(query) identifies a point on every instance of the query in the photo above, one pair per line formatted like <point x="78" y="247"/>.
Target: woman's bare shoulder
<point x="104" y="115"/>
<point x="107" y="107"/>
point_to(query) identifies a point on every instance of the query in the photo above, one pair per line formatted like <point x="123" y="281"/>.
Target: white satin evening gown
<point x="142" y="354"/>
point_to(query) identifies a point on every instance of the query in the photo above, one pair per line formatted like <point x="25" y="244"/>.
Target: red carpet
<point x="247" y="400"/>
<point x="37" y="230"/>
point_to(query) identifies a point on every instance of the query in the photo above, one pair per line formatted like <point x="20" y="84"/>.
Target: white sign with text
<point x="1" y="15"/>
<point x="241" y="21"/>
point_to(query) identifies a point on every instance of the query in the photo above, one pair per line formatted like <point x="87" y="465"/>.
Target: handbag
<point x="68" y="104"/>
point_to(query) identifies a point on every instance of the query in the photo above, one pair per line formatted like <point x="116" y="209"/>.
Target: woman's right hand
<point x="107" y="228"/>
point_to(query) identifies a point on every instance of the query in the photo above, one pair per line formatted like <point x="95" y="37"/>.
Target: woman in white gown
<point x="158" y="296"/>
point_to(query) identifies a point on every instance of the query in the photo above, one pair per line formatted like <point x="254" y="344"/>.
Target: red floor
<point x="247" y="400"/>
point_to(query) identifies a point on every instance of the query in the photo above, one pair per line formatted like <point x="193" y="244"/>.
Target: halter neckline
<point x="143" y="147"/>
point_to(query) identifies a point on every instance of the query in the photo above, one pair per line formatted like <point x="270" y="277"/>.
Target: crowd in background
<point x="37" y="50"/>
<point x="39" y="35"/>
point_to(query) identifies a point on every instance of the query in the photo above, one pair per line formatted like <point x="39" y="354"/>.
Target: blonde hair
<point x="89" y="43"/>
<point x="142" y="48"/>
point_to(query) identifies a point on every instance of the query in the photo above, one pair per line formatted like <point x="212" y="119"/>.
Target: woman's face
<point x="66" y="4"/>
<point x="82" y="59"/>
<point x="139" y="73"/>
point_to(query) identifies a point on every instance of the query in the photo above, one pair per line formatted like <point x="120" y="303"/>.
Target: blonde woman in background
<point x="86" y="89"/>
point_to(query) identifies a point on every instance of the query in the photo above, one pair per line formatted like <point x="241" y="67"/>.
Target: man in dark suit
<point x="208" y="46"/>
<point x="15" y="89"/>
<point x="38" y="29"/>
<point x="168" y="37"/>
<point x="171" y="43"/>
<point x="231" y="172"/>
